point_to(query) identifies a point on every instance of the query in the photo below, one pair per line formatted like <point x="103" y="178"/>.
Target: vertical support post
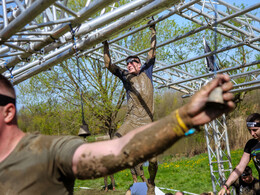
<point x="218" y="151"/>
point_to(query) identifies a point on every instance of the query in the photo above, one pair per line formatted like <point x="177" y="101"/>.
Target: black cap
<point x="247" y="171"/>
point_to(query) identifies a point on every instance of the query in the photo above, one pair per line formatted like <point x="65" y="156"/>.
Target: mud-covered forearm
<point x="107" y="58"/>
<point x="152" y="51"/>
<point x="133" y="148"/>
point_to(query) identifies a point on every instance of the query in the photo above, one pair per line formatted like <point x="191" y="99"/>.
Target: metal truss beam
<point x="84" y="14"/>
<point x="24" y="18"/>
<point x="98" y="36"/>
<point x="35" y="35"/>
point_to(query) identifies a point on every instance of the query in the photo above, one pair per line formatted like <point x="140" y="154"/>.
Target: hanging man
<point x="137" y="80"/>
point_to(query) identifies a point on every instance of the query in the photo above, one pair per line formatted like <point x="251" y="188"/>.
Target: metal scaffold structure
<point x="36" y="35"/>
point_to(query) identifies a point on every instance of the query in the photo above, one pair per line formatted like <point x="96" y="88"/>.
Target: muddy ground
<point x="98" y="192"/>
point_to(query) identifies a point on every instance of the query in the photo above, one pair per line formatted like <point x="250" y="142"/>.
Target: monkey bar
<point x="36" y="35"/>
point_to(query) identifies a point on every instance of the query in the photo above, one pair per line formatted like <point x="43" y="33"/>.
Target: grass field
<point x="184" y="174"/>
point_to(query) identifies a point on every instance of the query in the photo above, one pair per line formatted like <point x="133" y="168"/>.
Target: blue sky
<point x="247" y="2"/>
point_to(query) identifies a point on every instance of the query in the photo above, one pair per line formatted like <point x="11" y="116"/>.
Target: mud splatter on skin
<point x="140" y="147"/>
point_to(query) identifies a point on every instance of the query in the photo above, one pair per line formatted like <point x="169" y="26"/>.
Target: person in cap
<point x="251" y="151"/>
<point x="43" y="164"/>
<point x="246" y="184"/>
<point x="137" y="81"/>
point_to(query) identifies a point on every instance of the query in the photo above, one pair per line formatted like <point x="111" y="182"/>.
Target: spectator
<point x="246" y="184"/>
<point x="250" y="151"/>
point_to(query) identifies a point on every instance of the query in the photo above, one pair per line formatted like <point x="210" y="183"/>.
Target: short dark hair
<point x="133" y="57"/>
<point x="7" y="84"/>
<point x="253" y="117"/>
<point x="247" y="171"/>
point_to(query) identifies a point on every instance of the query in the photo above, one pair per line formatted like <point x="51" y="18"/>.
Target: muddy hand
<point x="197" y="112"/>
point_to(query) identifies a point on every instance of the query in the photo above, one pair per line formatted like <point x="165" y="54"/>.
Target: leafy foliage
<point x="58" y="92"/>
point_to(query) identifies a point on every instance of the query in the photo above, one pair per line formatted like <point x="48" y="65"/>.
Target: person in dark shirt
<point x="138" y="83"/>
<point x="251" y="151"/>
<point x="246" y="184"/>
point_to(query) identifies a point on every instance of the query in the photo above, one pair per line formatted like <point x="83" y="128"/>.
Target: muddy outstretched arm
<point x="151" y="53"/>
<point x="104" y="158"/>
<point x="107" y="59"/>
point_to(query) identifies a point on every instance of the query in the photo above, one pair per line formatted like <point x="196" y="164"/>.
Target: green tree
<point x="58" y="92"/>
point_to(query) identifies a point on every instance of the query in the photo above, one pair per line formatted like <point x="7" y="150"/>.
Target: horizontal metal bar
<point x="15" y="47"/>
<point x="25" y="40"/>
<point x="237" y="9"/>
<point x="165" y="80"/>
<point x="245" y="89"/>
<point x="107" y="18"/>
<point x="24" y="18"/>
<point x="10" y="54"/>
<point x="208" y="54"/>
<point x="223" y="23"/>
<point x="37" y="62"/>
<point x="172" y="12"/>
<point x="34" y="33"/>
<point x="220" y="31"/>
<point x="172" y="87"/>
<point x="7" y="2"/>
<point x="50" y="23"/>
<point x="101" y="35"/>
<point x="159" y="63"/>
<point x="235" y="19"/>
<point x="238" y="13"/>
<point x="62" y="29"/>
<point x="59" y="5"/>
<point x="245" y="74"/>
<point x="247" y="83"/>
<point x="190" y="33"/>
<point x="218" y="72"/>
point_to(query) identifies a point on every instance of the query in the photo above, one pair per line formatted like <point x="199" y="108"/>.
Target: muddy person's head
<point x="133" y="64"/>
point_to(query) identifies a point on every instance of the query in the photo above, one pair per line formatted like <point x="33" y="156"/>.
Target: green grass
<point x="185" y="174"/>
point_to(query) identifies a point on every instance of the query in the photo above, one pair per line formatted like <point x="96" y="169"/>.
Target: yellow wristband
<point x="181" y="128"/>
<point x="181" y="123"/>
